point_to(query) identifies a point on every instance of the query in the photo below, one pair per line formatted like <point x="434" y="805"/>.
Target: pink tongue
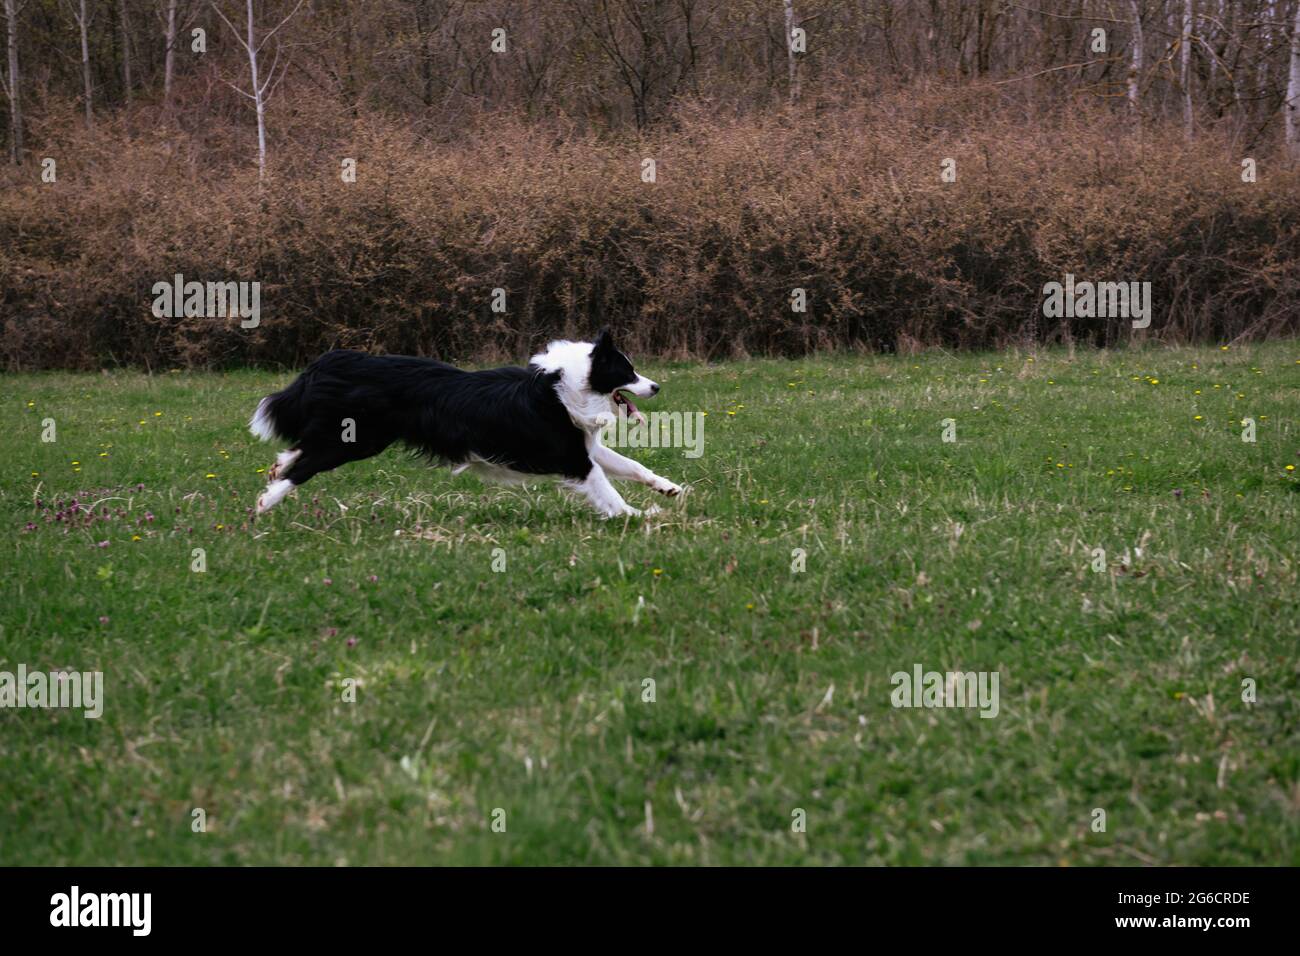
<point x="632" y="410"/>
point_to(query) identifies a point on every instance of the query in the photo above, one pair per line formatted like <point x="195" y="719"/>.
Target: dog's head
<point x="595" y="378"/>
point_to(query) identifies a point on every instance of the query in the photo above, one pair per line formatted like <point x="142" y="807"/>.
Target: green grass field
<point x="523" y="690"/>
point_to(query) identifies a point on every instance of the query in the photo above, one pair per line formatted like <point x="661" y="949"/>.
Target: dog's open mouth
<point x="633" y="412"/>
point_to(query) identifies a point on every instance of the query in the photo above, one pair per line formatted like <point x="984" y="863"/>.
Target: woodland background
<point x="797" y="144"/>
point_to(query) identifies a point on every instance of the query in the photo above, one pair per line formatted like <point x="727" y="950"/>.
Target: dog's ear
<point x="604" y="342"/>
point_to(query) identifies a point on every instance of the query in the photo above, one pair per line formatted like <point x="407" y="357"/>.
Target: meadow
<point x="392" y="661"/>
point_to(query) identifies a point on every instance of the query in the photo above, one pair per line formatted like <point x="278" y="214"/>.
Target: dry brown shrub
<point x="842" y="200"/>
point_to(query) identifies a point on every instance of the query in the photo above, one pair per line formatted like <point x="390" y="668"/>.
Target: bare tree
<point x="12" y="9"/>
<point x="169" y="60"/>
<point x="176" y="17"/>
<point x="1185" y="76"/>
<point x="1293" y="92"/>
<point x="645" y="42"/>
<point x="83" y="16"/>
<point x="1194" y="64"/>
<point x="424" y="29"/>
<point x="789" y="51"/>
<point x="83" y="24"/>
<point x="1135" y="66"/>
<point x="262" y="89"/>
<point x="126" y="48"/>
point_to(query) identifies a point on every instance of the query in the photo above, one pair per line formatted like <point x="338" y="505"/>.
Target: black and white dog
<point x="505" y="424"/>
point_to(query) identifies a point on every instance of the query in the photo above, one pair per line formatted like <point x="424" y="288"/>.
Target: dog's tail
<point x="280" y="415"/>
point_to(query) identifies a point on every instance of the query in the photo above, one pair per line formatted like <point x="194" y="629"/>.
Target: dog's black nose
<point x="654" y="388"/>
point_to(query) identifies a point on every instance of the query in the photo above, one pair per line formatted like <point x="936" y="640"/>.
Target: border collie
<point x="506" y="424"/>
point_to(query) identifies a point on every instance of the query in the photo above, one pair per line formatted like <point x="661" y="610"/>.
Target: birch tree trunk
<point x="260" y="86"/>
<point x="258" y="103"/>
<point x="1135" y="66"/>
<point x="1189" y="14"/>
<point x="1261" y="62"/>
<point x="169" y="60"/>
<point x="789" y="51"/>
<point x="1293" y="92"/>
<point x="83" y="23"/>
<point x="15" y="107"/>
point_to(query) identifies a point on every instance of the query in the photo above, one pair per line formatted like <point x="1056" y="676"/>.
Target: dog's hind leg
<point x="619" y="466"/>
<point x="314" y="460"/>
<point x="282" y="461"/>
<point x="299" y="465"/>
<point x="276" y="485"/>
<point x="304" y="465"/>
<point x="273" y="494"/>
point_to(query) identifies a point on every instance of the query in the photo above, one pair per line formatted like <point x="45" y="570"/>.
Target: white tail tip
<point x="260" y="424"/>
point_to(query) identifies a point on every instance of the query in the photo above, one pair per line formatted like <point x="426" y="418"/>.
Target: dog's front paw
<point x="666" y="487"/>
<point x="627" y="511"/>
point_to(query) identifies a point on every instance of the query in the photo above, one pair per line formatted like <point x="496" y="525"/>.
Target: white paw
<point x="666" y="487"/>
<point x="273" y="494"/>
<point x="627" y="511"/>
